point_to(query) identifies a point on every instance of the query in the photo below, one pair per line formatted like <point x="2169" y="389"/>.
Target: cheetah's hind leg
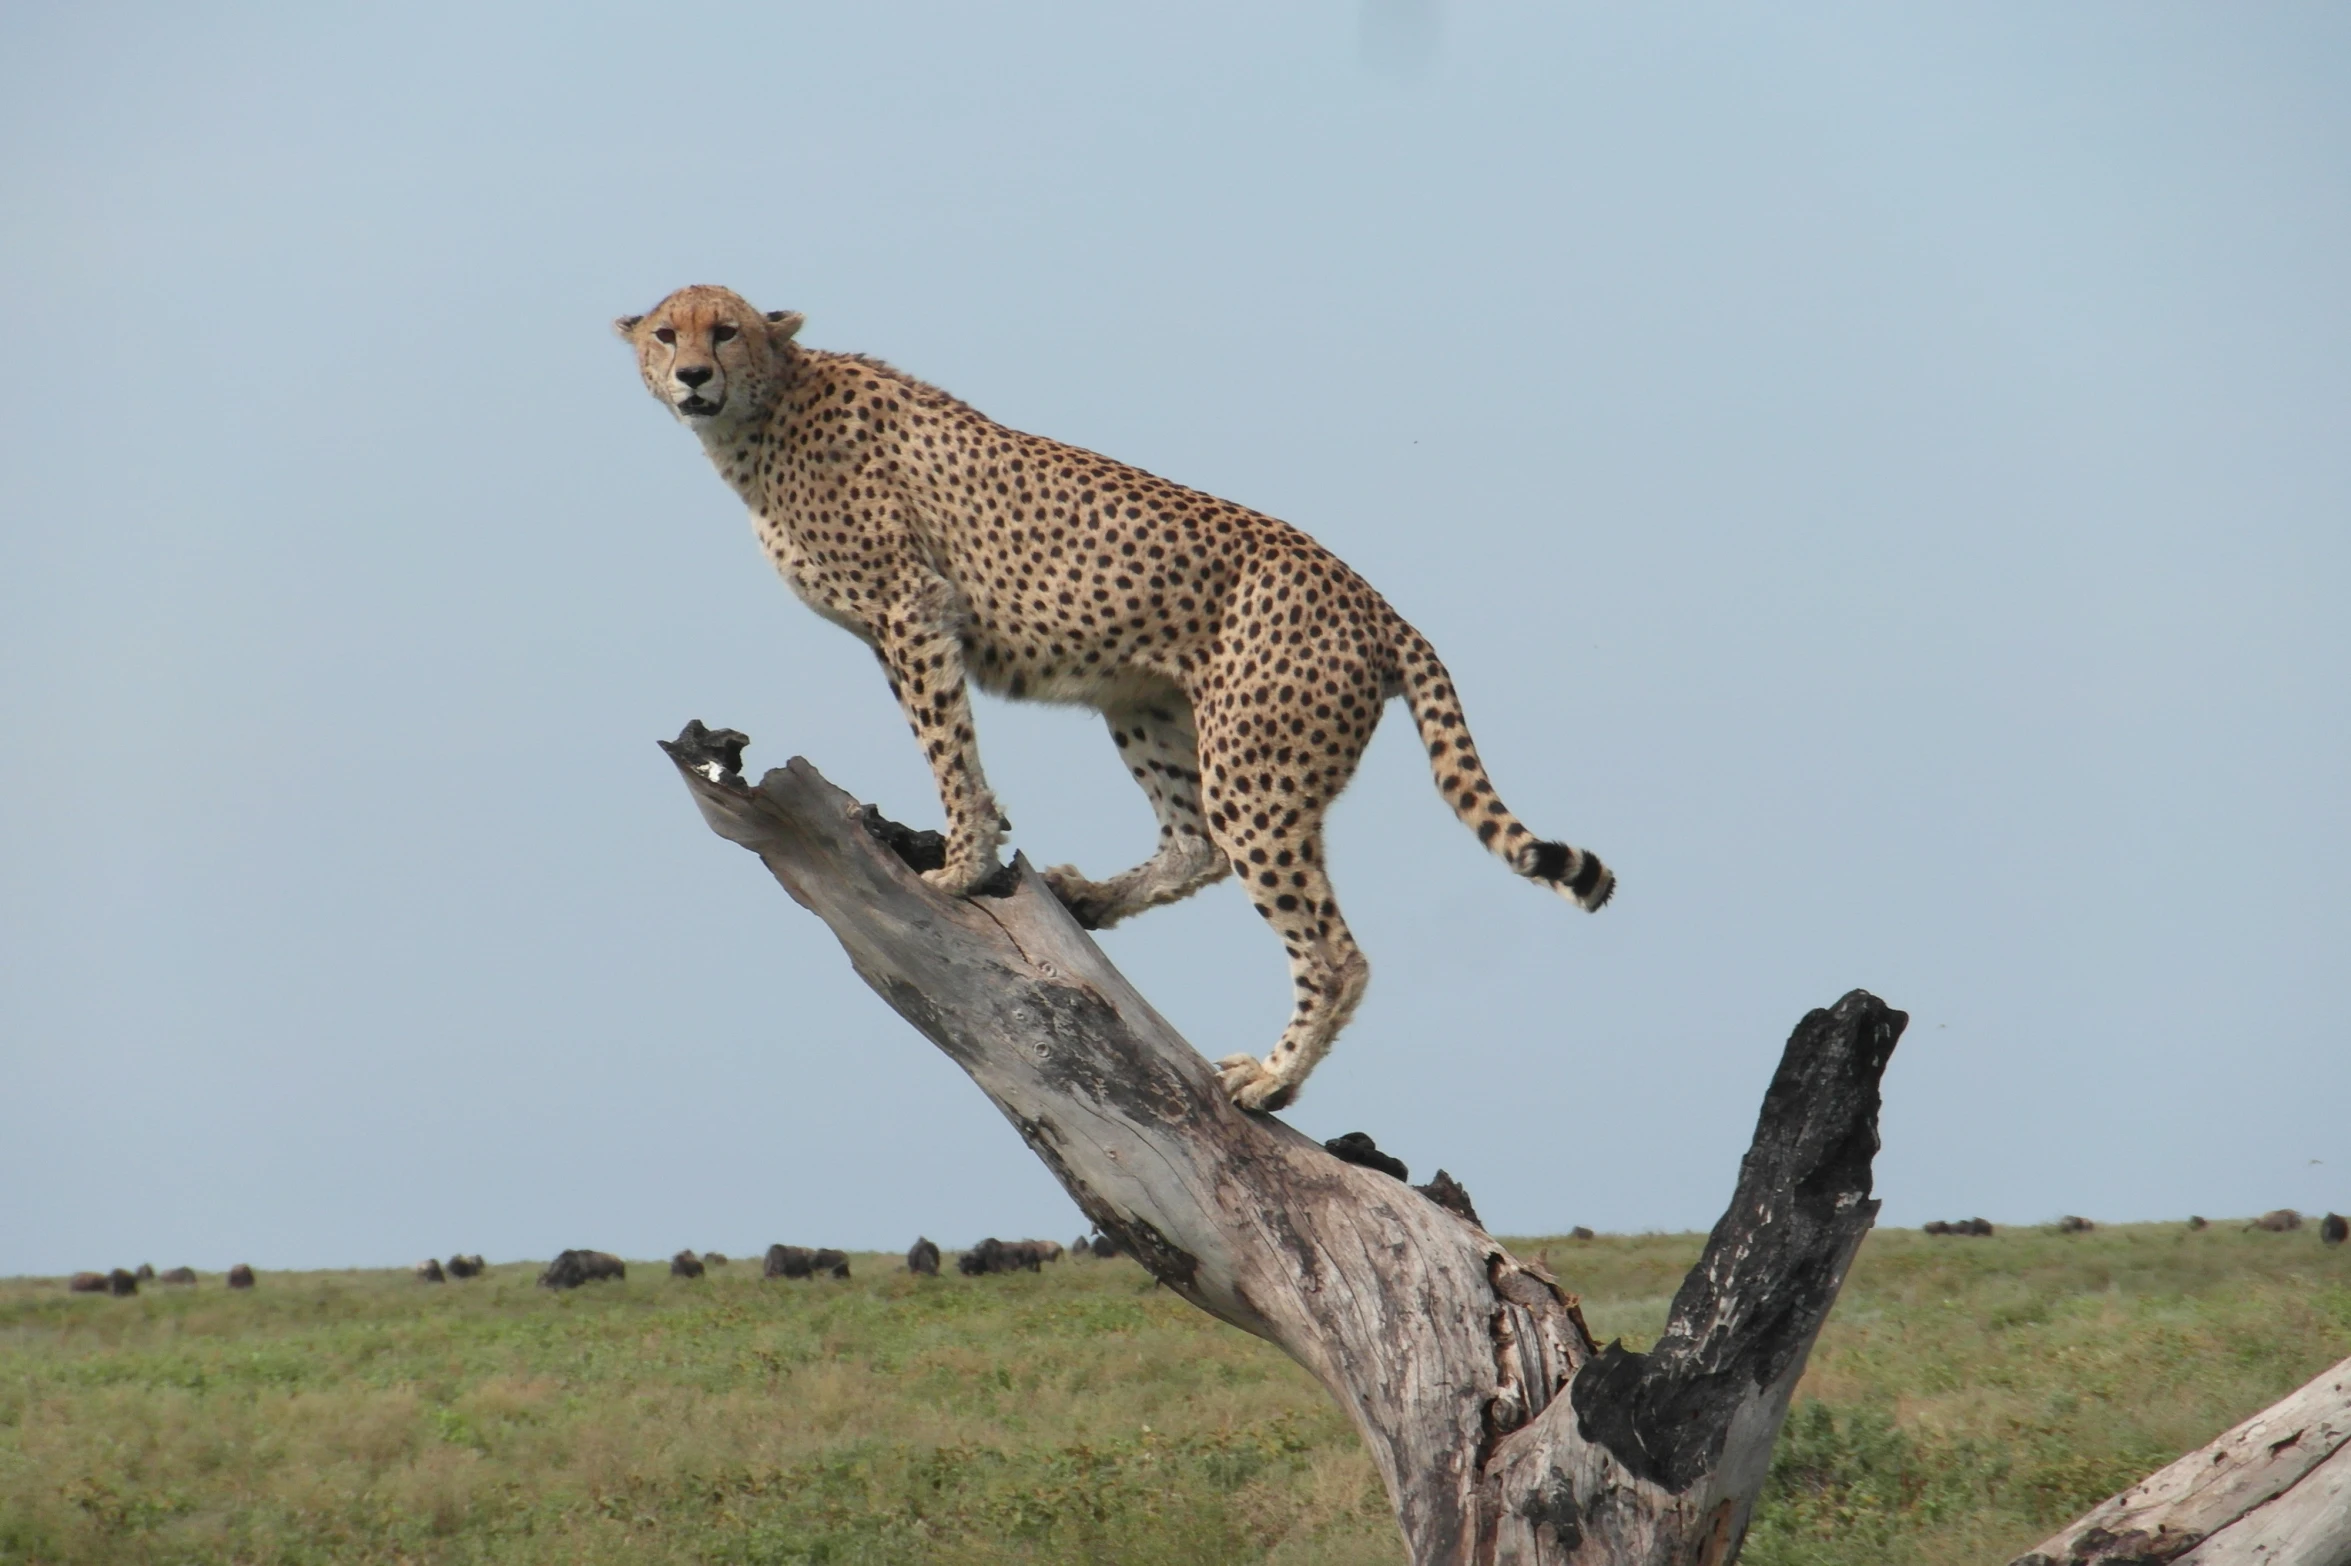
<point x="1156" y="741"/>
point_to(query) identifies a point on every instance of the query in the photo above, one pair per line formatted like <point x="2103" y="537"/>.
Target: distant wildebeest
<point x="146" y="1272"/>
<point x="1579" y="1232"/>
<point x="464" y="1266"/>
<point x="1934" y="1226"/>
<point x="2195" y="1223"/>
<point x="87" y="1283"/>
<point x="178" y="1275"/>
<point x="429" y="1271"/>
<point x="121" y="1282"/>
<point x="573" y="1268"/>
<point x="2070" y="1224"/>
<point x="1104" y="1247"/>
<point x="1963" y="1226"/>
<point x="2278" y="1221"/>
<point x="685" y="1264"/>
<point x="240" y="1276"/>
<point x="994" y="1255"/>
<point x="2334" y="1229"/>
<point x="714" y="1258"/>
<point x="797" y="1261"/>
<point x="922" y="1258"/>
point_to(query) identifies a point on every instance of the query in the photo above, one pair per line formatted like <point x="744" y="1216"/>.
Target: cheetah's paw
<point x="960" y="879"/>
<point x="1087" y="901"/>
<point x="1252" y="1084"/>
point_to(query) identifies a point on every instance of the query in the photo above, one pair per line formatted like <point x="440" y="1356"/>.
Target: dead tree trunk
<point x="1503" y="1431"/>
<point x="2274" y="1491"/>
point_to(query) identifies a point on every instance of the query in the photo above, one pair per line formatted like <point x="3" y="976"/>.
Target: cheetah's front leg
<point x="923" y="656"/>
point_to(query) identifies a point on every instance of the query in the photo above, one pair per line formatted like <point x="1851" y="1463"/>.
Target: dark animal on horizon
<point x="2334" y="1229"/>
<point x="464" y="1266"/>
<point x="87" y="1283"/>
<point x="2071" y="1224"/>
<point x="178" y="1275"/>
<point x="1104" y="1247"/>
<point x="240" y="1276"/>
<point x="121" y="1282"/>
<point x="2277" y="1221"/>
<point x="146" y="1272"/>
<point x="1934" y="1226"/>
<point x="1241" y="666"/>
<point x="1083" y="1245"/>
<point x="685" y="1264"/>
<point x="714" y="1258"/>
<point x="1579" y="1232"/>
<point x="429" y="1271"/>
<point x="922" y="1258"/>
<point x="1965" y="1226"/>
<point x="992" y="1255"/>
<point x="797" y="1261"/>
<point x="573" y="1268"/>
<point x="2195" y="1223"/>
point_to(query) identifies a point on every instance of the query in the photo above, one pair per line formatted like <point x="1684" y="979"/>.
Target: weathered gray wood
<point x="2274" y="1490"/>
<point x="1449" y="1353"/>
<point x="2309" y="1525"/>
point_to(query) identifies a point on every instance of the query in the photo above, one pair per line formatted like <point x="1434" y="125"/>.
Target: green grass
<point x="1966" y="1396"/>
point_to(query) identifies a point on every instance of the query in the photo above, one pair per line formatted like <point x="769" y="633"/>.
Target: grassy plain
<point x="1966" y="1395"/>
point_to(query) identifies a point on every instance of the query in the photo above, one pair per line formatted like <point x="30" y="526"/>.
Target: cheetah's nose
<point x="696" y="375"/>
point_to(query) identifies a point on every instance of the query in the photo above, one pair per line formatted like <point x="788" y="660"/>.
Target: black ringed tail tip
<point x="1579" y="874"/>
<point x="1548" y="861"/>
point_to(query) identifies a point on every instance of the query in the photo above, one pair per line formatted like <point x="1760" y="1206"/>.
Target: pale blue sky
<point x="1880" y="476"/>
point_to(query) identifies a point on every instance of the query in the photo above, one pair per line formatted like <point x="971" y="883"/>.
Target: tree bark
<point x="1504" y="1433"/>
<point x="2274" y="1491"/>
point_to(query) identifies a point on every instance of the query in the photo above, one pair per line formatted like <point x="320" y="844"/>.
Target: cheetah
<point x="1240" y="665"/>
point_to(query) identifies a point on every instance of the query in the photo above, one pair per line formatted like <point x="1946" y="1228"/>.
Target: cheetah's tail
<point x="1573" y="873"/>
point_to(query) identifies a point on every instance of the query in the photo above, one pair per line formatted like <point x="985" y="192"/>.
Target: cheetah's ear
<point x="626" y="326"/>
<point x="782" y="324"/>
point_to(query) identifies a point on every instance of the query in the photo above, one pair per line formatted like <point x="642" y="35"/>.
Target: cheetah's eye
<point x="720" y="334"/>
<point x="665" y="334"/>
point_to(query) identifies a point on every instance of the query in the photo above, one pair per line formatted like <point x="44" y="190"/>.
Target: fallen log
<point x="2274" y="1491"/>
<point x="1503" y="1431"/>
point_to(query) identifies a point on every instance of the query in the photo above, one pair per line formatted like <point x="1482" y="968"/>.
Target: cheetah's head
<point x="708" y="356"/>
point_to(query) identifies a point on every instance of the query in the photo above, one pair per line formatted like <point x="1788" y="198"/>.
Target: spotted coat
<point x="1241" y="667"/>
